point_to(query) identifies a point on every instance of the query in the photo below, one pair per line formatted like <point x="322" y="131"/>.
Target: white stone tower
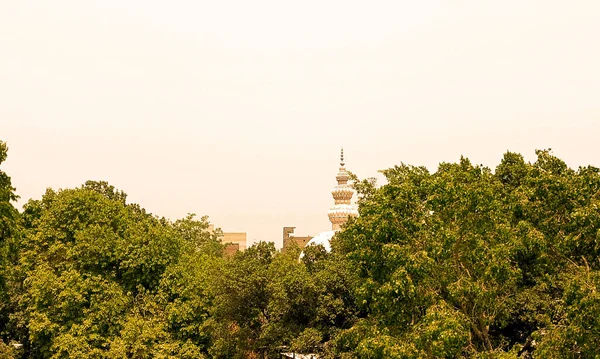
<point x="342" y="195"/>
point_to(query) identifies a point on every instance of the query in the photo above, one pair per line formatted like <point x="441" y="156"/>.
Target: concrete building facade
<point x="289" y="238"/>
<point x="233" y="241"/>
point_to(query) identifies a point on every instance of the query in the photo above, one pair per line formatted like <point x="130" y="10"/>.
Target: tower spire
<point x="342" y="195"/>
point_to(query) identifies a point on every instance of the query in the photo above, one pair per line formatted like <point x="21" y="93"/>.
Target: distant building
<point x="233" y="241"/>
<point x="236" y="238"/>
<point x="289" y="238"/>
<point x="338" y="214"/>
<point x="231" y="249"/>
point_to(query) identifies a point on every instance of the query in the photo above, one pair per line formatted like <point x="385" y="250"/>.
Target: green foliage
<point x="307" y="341"/>
<point x="461" y="262"/>
<point x="9" y="252"/>
<point x="464" y="261"/>
<point x="7" y="351"/>
<point x="267" y="300"/>
<point x="102" y="278"/>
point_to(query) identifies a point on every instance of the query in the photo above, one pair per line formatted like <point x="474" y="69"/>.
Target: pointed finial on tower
<point x="342" y="195"/>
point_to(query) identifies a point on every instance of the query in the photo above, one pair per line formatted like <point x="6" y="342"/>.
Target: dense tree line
<point x="462" y="262"/>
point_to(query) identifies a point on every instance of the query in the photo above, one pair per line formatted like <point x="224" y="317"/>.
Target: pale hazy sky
<point x="237" y="109"/>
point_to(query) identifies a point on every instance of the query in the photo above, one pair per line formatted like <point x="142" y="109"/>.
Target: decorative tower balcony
<point x="342" y="196"/>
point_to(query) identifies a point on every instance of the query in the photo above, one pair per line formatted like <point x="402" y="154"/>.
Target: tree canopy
<point x="465" y="261"/>
<point x="470" y="262"/>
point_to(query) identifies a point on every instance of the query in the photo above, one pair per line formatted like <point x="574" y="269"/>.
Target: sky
<point x="238" y="109"/>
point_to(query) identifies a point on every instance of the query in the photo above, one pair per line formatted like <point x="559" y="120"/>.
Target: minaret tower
<point x="342" y="194"/>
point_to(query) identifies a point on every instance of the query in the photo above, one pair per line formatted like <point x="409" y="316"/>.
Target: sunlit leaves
<point x="482" y="254"/>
